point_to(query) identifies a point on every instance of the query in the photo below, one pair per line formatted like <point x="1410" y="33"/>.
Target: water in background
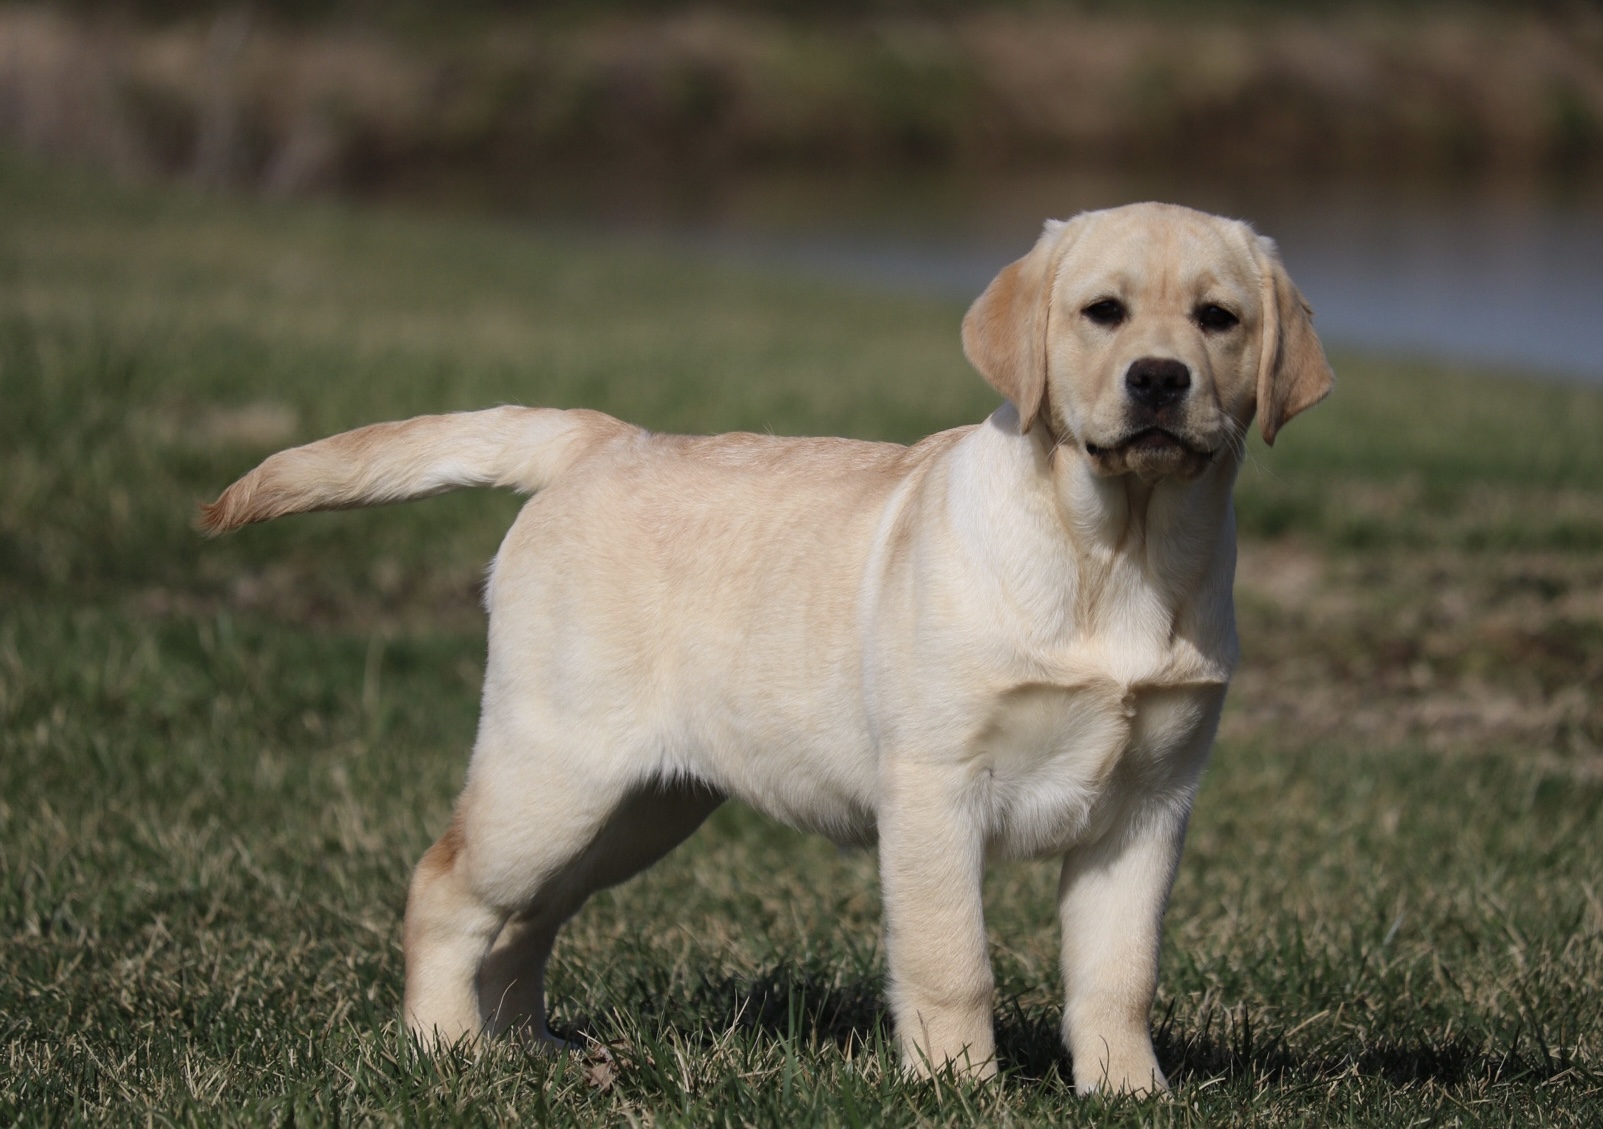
<point x="1497" y="275"/>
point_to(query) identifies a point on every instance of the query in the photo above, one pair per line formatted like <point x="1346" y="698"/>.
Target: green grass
<point x="218" y="761"/>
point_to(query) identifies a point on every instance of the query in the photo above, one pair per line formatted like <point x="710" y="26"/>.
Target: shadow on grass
<point x="802" y="1006"/>
<point x="1231" y="1050"/>
<point x="790" y="1002"/>
<point x="806" y="1006"/>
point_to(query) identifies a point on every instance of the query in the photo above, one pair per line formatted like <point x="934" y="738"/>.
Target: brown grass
<point x="1438" y="650"/>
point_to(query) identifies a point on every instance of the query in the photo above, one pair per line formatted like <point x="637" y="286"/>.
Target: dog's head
<point x="1148" y="336"/>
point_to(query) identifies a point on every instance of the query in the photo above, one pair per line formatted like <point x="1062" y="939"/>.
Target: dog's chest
<point x="1060" y="759"/>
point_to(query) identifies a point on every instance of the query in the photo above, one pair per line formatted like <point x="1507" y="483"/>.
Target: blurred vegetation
<point x="298" y="96"/>
<point x="442" y="12"/>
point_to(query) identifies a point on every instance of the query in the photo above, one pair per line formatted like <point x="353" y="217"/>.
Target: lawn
<point x="219" y="760"/>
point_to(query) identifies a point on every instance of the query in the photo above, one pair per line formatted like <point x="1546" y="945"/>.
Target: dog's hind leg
<point x="645" y="826"/>
<point x="520" y="823"/>
<point x="476" y="963"/>
<point x="449" y="927"/>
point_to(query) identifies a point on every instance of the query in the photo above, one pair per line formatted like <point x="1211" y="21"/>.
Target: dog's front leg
<point x="1111" y="900"/>
<point x="932" y="866"/>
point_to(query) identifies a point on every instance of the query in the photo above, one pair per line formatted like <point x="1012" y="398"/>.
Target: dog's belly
<point x="1060" y="762"/>
<point x="813" y="770"/>
<point x="1055" y="764"/>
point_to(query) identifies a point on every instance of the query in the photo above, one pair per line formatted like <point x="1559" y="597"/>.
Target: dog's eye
<point x="1216" y="317"/>
<point x="1108" y="312"/>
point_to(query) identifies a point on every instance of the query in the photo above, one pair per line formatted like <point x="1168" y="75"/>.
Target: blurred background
<point x="1432" y="171"/>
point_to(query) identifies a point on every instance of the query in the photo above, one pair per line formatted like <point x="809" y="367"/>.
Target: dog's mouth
<point x="1151" y="453"/>
<point x="1150" y="441"/>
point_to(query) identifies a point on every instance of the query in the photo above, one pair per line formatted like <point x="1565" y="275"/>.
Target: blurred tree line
<point x="294" y="95"/>
<point x="467" y="11"/>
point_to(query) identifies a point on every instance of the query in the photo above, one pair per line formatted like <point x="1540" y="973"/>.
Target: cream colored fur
<point x="1010" y="640"/>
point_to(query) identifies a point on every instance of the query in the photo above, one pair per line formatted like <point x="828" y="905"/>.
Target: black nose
<point x="1155" y="383"/>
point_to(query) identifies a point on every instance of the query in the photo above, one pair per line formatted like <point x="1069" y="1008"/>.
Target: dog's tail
<point x="521" y="448"/>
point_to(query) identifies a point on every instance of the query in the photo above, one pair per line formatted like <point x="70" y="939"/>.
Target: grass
<point x="218" y="761"/>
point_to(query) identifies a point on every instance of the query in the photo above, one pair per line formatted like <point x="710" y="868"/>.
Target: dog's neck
<point x="1124" y="514"/>
<point x="1163" y="551"/>
<point x="1108" y="556"/>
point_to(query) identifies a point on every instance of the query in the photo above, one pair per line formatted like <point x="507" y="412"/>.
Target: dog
<point x="1011" y="639"/>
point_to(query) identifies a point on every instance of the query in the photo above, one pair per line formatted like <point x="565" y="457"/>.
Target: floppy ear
<point x="1293" y="374"/>
<point x="1004" y="333"/>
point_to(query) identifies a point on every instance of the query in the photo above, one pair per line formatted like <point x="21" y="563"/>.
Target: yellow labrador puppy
<point x="1009" y="640"/>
